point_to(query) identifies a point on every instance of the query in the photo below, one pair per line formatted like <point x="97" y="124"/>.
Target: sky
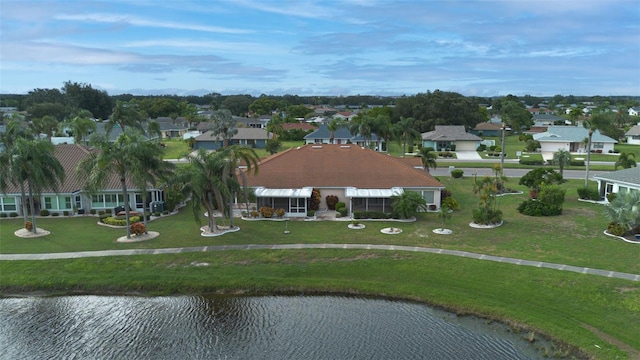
<point x="350" y="47"/>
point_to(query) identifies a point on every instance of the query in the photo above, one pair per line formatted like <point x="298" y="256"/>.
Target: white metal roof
<point x="304" y="192"/>
<point x="352" y="192"/>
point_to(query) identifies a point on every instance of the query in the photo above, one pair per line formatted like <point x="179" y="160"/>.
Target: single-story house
<point x="634" y="111"/>
<point x="251" y="137"/>
<point x="487" y="129"/>
<point x="547" y="119"/>
<point x="71" y="195"/>
<point x="618" y="181"/>
<point x="172" y="128"/>
<point x="361" y="178"/>
<point x="341" y="136"/>
<point x="633" y="135"/>
<point x="572" y="138"/>
<point x="444" y="136"/>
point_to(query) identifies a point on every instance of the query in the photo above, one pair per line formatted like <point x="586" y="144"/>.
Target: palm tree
<point x="593" y="124"/>
<point x="122" y="158"/>
<point x="382" y="129"/>
<point x="153" y="130"/>
<point x="362" y="126"/>
<point x="224" y="126"/>
<point x="333" y="126"/>
<point x="562" y="157"/>
<point x="81" y="125"/>
<point x="204" y="180"/>
<point x="428" y="157"/>
<point x="275" y="127"/>
<point x="236" y="180"/>
<point x="405" y="132"/>
<point x="124" y="115"/>
<point x="32" y="162"/>
<point x="625" y="210"/>
<point x="44" y="125"/>
<point x="626" y="160"/>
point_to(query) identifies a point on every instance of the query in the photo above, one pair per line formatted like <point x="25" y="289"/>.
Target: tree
<point x="124" y="115"/>
<point x="123" y="158"/>
<point x="625" y="210"/>
<point x="333" y="126"/>
<point x="405" y="132"/>
<point x="153" y="130"/>
<point x="234" y="179"/>
<point x="31" y="162"/>
<point x="224" y="126"/>
<point x="562" y="157"/>
<point x="275" y="127"/>
<point x="44" y="125"/>
<point x="382" y="128"/>
<point x="81" y="125"/>
<point x="273" y="146"/>
<point x="407" y="204"/>
<point x="428" y="157"/>
<point x="444" y="214"/>
<point x="363" y="126"/>
<point x="592" y="124"/>
<point x="626" y="160"/>
<point x="535" y="178"/>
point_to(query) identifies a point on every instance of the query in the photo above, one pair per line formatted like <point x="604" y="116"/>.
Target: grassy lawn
<point x="176" y="148"/>
<point x="563" y="305"/>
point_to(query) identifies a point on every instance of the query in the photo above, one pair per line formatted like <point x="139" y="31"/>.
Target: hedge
<point x="361" y="214"/>
<point x="589" y="194"/>
<point x="120" y="222"/>
<point x="531" y="161"/>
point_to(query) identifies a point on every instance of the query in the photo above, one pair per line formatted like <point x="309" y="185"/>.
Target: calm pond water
<point x="225" y="327"/>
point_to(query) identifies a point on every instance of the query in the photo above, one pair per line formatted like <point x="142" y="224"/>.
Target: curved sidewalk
<point x="540" y="264"/>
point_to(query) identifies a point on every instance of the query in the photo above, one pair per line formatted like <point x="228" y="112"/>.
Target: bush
<point x="453" y="147"/>
<point x="280" y="212"/>
<point x="576" y="163"/>
<point x="28" y="225"/>
<point x="311" y="213"/>
<point x="13" y="214"/>
<point x="55" y="214"/>
<point x="488" y="217"/>
<point x="92" y="211"/>
<point x="588" y="194"/>
<point x="137" y="228"/>
<point x="451" y="203"/>
<point x="101" y="212"/>
<point x="266" y="211"/>
<point x="342" y="212"/>
<point x="65" y="213"/>
<point x="110" y="220"/>
<point x="457" y="173"/>
<point x="314" y="202"/>
<point x="3" y="215"/>
<point x="370" y="215"/>
<point x="611" y="196"/>
<point x="524" y="161"/>
<point x="44" y="212"/>
<point x="538" y="208"/>
<point x="616" y="229"/>
<point x="254" y="214"/>
<point x="332" y="200"/>
<point x="482" y="147"/>
<point x="340" y="204"/>
<point x="166" y="212"/>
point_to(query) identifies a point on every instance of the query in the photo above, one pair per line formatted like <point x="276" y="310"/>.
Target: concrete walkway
<point x="540" y="264"/>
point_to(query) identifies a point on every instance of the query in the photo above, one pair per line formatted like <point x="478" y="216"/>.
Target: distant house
<point x="170" y="128"/>
<point x="341" y="136"/>
<point x="634" y="111"/>
<point x="71" y="194"/>
<point x="444" y="136"/>
<point x="572" y="138"/>
<point x="251" y="137"/>
<point x="487" y="129"/>
<point x="299" y="125"/>
<point x="633" y="135"/>
<point x="547" y="119"/>
<point x="361" y="178"/>
<point x="618" y="181"/>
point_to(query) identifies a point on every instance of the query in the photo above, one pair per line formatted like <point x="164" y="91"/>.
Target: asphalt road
<point x="568" y="174"/>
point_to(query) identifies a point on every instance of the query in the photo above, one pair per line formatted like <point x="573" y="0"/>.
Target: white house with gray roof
<point x="619" y="181"/>
<point x="633" y="135"/>
<point x="444" y="136"/>
<point x="572" y="138"/>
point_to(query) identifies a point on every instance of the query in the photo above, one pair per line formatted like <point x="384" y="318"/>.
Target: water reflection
<point x="273" y="327"/>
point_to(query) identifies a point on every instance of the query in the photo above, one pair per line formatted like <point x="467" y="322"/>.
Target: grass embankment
<point x="563" y="305"/>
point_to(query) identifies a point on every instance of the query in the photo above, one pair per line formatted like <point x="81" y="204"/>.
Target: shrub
<point x="457" y="173"/>
<point x="28" y="225"/>
<point x="3" y="215"/>
<point x="482" y="147"/>
<point x="588" y="194"/>
<point x="332" y="200"/>
<point x="616" y="229"/>
<point x="110" y="220"/>
<point x="370" y="215"/>
<point x="156" y="214"/>
<point x="44" y="212"/>
<point x="65" y="213"/>
<point x="524" y="161"/>
<point x="453" y="147"/>
<point x="492" y="148"/>
<point x="280" y="212"/>
<point x="311" y="213"/>
<point x="487" y="217"/>
<point x="576" y="163"/>
<point x="101" y="212"/>
<point x="166" y="212"/>
<point x="138" y="228"/>
<point x="314" y="201"/>
<point x="266" y="211"/>
<point x="538" y="208"/>
<point x="92" y="211"/>
<point x="340" y="204"/>
<point x="254" y="214"/>
<point x="451" y="203"/>
<point x="445" y="194"/>
<point x="611" y="196"/>
<point x="13" y="214"/>
<point x="55" y="214"/>
<point x="342" y="211"/>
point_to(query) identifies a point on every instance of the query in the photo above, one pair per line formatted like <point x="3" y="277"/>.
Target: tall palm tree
<point x="153" y="130"/>
<point x="626" y="160"/>
<point x="125" y="115"/>
<point x="362" y="126"/>
<point x="204" y="180"/>
<point x="236" y="180"/>
<point x="382" y="129"/>
<point x="405" y="132"/>
<point x="562" y="157"/>
<point x="81" y="125"/>
<point x="275" y="127"/>
<point x="428" y="157"/>
<point x="594" y="123"/>
<point x="333" y="126"/>
<point x="224" y="126"/>
<point x="121" y="158"/>
<point x="32" y="162"/>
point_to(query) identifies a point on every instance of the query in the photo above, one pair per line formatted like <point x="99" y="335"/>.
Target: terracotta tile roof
<point x="338" y="166"/>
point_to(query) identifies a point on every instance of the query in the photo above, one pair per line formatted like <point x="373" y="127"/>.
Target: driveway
<point x="468" y="155"/>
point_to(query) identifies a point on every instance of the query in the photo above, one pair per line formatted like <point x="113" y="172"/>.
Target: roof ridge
<point x="402" y="163"/>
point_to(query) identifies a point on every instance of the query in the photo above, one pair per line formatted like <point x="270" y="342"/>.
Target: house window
<point x="8" y="204"/>
<point x="297" y="205"/>
<point x="318" y="141"/>
<point x="78" y="201"/>
<point x="48" y="203"/>
<point x="597" y="145"/>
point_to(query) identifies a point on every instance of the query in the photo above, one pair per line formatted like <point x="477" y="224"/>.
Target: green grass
<point x="560" y="304"/>
<point x="176" y="148"/>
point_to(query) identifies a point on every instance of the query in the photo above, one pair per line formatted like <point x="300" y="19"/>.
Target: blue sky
<point x="484" y="48"/>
